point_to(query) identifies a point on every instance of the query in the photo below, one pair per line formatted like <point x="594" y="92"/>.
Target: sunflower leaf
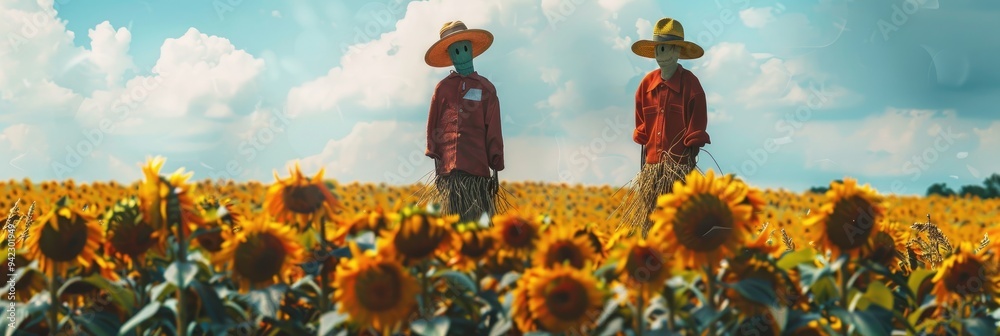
<point x="917" y="278"/>
<point x="878" y="294"/>
<point x="457" y="278"/>
<point x="210" y="302"/>
<point x="791" y="259"/>
<point x="177" y="269"/>
<point x="508" y="279"/>
<point x="756" y="290"/>
<point x="331" y="320"/>
<point x="437" y="326"/>
<point x="979" y="326"/>
<point x="144" y="314"/>
<point x="160" y="290"/>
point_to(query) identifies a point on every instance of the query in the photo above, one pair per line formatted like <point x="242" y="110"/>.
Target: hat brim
<point x="647" y="48"/>
<point x="437" y="54"/>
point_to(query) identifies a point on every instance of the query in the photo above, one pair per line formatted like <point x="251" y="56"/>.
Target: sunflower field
<point x="305" y="255"/>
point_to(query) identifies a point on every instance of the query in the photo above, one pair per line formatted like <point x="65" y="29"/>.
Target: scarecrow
<point x="670" y="120"/>
<point x="463" y="128"/>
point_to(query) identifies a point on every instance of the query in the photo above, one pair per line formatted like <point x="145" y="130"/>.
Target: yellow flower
<point x="63" y="238"/>
<point x="644" y="262"/>
<point x="703" y="219"/>
<point x="561" y="298"/>
<point x="374" y="290"/>
<point x="158" y="195"/>
<point x="128" y="235"/>
<point x="260" y="253"/>
<point x="848" y="218"/>
<point x="516" y="236"/>
<point x="469" y="248"/>
<point x="301" y="200"/>
<point x="887" y="246"/>
<point x="420" y="236"/>
<point x="559" y="245"/>
<point x="966" y="275"/>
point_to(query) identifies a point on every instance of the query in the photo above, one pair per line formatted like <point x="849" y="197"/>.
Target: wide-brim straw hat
<point x="671" y="32"/>
<point x="454" y="31"/>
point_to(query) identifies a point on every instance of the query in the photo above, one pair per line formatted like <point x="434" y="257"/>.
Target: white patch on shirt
<point x="474" y="94"/>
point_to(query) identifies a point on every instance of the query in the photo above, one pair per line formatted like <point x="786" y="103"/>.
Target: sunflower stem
<point x="639" y="317"/>
<point x="323" y="273"/>
<point x="181" y="301"/>
<point x="709" y="296"/>
<point x="53" y="303"/>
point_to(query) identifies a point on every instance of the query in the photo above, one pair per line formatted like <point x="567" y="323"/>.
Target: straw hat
<point x="667" y="31"/>
<point x="454" y="31"/>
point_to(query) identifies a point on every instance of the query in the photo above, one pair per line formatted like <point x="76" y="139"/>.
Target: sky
<point x="899" y="94"/>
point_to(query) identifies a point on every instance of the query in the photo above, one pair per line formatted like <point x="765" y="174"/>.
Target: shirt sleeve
<point x="697" y="136"/>
<point x="494" y="134"/>
<point x="640" y="135"/>
<point x="433" y="131"/>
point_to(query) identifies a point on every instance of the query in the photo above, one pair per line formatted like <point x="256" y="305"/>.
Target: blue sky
<point x="899" y="94"/>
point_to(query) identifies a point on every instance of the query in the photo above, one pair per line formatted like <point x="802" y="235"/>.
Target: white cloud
<point x="403" y="78"/>
<point x="549" y="75"/>
<point x="374" y="151"/>
<point x="895" y="143"/>
<point x="757" y="17"/>
<point x="613" y="5"/>
<point x="565" y="97"/>
<point x="109" y="51"/>
<point x="644" y="28"/>
<point x="276" y="13"/>
<point x="618" y="42"/>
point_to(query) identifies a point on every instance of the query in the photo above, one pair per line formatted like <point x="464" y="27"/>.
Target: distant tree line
<point x="989" y="189"/>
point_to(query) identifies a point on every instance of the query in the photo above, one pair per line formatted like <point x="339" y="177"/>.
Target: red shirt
<point x="670" y="115"/>
<point x="463" y="126"/>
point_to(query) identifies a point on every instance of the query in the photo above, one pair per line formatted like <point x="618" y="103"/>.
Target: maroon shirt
<point x="463" y="126"/>
<point x="670" y="115"/>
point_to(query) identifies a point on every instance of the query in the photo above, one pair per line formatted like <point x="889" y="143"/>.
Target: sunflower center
<point x="851" y="223"/>
<point x="133" y="239"/>
<point x="418" y="242"/>
<point x="965" y="278"/>
<point x="260" y="258"/>
<point x="303" y="199"/>
<point x="380" y="288"/>
<point x="211" y="241"/>
<point x="564" y="251"/>
<point x="518" y="234"/>
<point x="476" y="246"/>
<point x="703" y="223"/>
<point x="883" y="249"/>
<point x="67" y="243"/>
<point x="567" y="299"/>
<point x="644" y="265"/>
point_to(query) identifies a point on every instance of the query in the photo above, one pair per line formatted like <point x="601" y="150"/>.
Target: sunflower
<point x="469" y="248"/>
<point x="374" y="290"/>
<point x="756" y="262"/>
<point x="219" y="217"/>
<point x="596" y="239"/>
<point x="419" y="236"/>
<point x="64" y="237"/>
<point x="520" y="311"/>
<point x="564" y="298"/>
<point x="516" y="236"/>
<point x="644" y="261"/>
<point x="260" y="253"/>
<point x="703" y="219"/>
<point x="848" y="219"/>
<point x="160" y="197"/>
<point x="966" y="275"/>
<point x="301" y="200"/>
<point x="761" y="324"/>
<point x="755" y="199"/>
<point x="375" y="221"/>
<point x="560" y="245"/>
<point x="129" y="237"/>
<point x="887" y="246"/>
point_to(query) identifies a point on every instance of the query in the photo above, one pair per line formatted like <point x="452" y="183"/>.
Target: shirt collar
<point x="473" y="75"/>
<point x="674" y="83"/>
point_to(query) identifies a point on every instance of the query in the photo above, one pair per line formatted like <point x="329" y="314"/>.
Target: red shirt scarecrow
<point x="463" y="126"/>
<point x="670" y="120"/>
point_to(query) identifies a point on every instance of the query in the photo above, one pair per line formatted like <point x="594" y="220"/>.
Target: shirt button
<point x="661" y="110"/>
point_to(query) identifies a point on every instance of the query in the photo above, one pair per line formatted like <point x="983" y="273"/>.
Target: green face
<point x="461" y="56"/>
<point x="667" y="55"/>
